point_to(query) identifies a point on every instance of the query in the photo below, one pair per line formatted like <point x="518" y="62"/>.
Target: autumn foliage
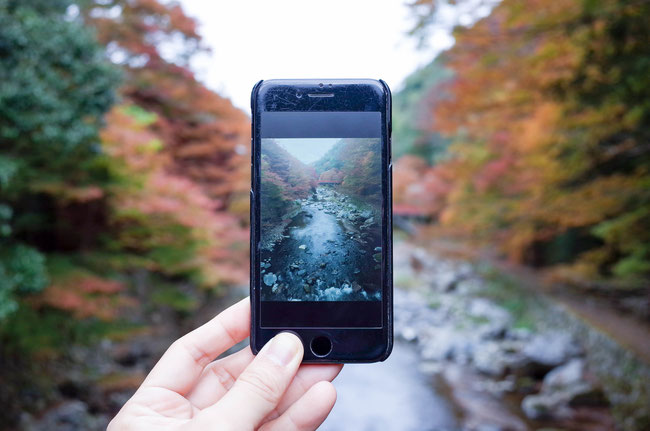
<point x="548" y="115"/>
<point x="115" y="158"/>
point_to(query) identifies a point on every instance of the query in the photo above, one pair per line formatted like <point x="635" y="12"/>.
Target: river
<point x="392" y="395"/>
<point x="329" y="250"/>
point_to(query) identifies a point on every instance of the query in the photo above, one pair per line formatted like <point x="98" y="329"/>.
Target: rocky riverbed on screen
<point x="329" y="250"/>
<point x="501" y="374"/>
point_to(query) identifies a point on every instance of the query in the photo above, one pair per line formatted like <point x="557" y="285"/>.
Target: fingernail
<point x="283" y="348"/>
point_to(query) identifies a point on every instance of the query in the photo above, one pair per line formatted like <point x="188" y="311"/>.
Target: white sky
<point x="307" y="150"/>
<point x="264" y="39"/>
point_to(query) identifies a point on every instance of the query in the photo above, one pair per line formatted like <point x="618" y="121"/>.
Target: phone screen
<point x="320" y="218"/>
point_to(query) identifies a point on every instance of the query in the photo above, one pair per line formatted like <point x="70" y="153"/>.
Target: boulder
<point x="563" y="387"/>
<point x="550" y="349"/>
<point x="270" y="279"/>
<point x="489" y="359"/>
<point x="564" y="376"/>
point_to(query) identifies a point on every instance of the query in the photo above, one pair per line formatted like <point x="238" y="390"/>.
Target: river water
<point x="329" y="250"/>
<point x="392" y="395"/>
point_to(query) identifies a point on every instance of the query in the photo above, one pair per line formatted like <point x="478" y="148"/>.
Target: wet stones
<point x="270" y="279"/>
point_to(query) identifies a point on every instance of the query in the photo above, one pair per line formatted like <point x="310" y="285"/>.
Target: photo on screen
<point x="320" y="219"/>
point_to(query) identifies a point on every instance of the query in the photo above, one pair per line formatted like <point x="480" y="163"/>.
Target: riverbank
<point x="511" y="358"/>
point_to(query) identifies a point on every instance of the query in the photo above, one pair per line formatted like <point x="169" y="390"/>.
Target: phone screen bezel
<point x="364" y="339"/>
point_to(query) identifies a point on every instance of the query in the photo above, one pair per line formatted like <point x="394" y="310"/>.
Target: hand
<point x="186" y="390"/>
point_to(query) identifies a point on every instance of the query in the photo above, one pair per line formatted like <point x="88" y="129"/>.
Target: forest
<point x="531" y="134"/>
<point x="320" y="220"/>
<point x="285" y="179"/>
<point x="357" y="163"/>
<point x="521" y="169"/>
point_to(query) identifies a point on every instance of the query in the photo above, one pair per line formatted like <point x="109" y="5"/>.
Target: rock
<point x="270" y="279"/>
<point x="563" y="387"/>
<point x="377" y="257"/>
<point x="377" y="250"/>
<point x="409" y="333"/>
<point x="489" y="359"/>
<point x="550" y="349"/>
<point x="301" y="272"/>
<point x="544" y="406"/>
<point x="275" y="288"/>
<point x="564" y="376"/>
<point x="331" y="294"/>
<point x="302" y="246"/>
<point x="323" y="265"/>
<point x="446" y="344"/>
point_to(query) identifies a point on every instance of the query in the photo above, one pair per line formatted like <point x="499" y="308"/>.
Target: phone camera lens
<point x="298" y="94"/>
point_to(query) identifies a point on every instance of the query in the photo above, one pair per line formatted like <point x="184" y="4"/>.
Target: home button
<point x="321" y="346"/>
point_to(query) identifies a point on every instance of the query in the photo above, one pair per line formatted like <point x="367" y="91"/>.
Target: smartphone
<point x="321" y="234"/>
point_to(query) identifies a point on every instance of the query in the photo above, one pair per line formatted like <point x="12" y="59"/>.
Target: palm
<point x="187" y="390"/>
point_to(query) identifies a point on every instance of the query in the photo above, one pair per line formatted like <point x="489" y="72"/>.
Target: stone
<point x="270" y="279"/>
<point x="563" y="387"/>
<point x="445" y="344"/>
<point x="409" y="333"/>
<point x="551" y="348"/>
<point x="545" y="406"/>
<point x="564" y="376"/>
<point x="302" y="246"/>
<point x="489" y="359"/>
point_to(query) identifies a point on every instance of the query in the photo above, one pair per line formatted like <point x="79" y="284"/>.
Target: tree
<point x="56" y="86"/>
<point x="549" y="116"/>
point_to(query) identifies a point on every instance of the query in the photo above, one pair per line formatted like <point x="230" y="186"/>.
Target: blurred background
<point x="521" y="142"/>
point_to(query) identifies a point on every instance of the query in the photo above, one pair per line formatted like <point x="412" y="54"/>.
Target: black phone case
<point x="259" y="335"/>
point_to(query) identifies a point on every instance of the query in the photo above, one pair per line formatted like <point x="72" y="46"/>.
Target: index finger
<point x="181" y="365"/>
